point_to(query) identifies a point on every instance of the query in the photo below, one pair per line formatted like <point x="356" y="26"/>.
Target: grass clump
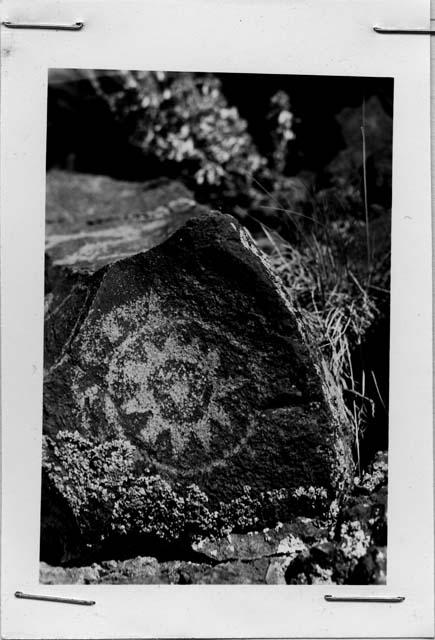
<point x="335" y="309"/>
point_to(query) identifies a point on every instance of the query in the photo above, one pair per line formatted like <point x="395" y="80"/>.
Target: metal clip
<point x="28" y="596"/>
<point x="56" y="27"/>
<point x="412" y="32"/>
<point x="364" y="598"/>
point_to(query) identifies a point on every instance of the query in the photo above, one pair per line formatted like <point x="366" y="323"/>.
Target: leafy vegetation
<point x="184" y="122"/>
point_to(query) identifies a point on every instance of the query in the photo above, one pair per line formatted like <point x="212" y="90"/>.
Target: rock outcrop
<point x="303" y="551"/>
<point x="255" y="558"/>
<point x="145" y="570"/>
<point x="191" y="351"/>
<point x="92" y="221"/>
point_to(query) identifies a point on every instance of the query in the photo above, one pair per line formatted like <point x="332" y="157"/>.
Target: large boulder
<point x="192" y="352"/>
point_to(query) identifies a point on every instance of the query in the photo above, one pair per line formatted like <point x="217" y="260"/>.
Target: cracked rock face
<point x="303" y="551"/>
<point x="286" y="539"/>
<point x="260" y="557"/>
<point x="192" y="352"/>
<point x="145" y="570"/>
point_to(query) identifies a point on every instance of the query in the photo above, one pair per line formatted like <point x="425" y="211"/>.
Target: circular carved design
<point x="159" y="380"/>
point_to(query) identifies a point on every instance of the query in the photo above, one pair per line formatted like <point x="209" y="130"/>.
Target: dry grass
<point x="335" y="310"/>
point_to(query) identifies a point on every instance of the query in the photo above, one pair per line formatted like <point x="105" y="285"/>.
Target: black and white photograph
<point x="216" y="328"/>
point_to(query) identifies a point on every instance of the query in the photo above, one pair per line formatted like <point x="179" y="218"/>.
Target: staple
<point x="29" y="596"/>
<point x="391" y="599"/>
<point x="407" y="32"/>
<point x="76" y="26"/>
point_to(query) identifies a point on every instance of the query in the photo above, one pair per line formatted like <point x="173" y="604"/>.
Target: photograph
<point x="216" y="328"/>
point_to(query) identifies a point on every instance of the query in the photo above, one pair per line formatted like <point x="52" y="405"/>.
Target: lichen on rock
<point x="190" y="352"/>
<point x="190" y="357"/>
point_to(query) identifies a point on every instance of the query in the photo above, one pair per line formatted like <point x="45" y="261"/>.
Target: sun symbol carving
<point x="159" y="374"/>
<point x="175" y="387"/>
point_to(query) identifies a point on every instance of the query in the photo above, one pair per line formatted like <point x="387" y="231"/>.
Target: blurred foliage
<point x="185" y="122"/>
<point x="280" y="120"/>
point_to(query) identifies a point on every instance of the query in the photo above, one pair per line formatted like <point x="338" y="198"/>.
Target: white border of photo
<point x="332" y="37"/>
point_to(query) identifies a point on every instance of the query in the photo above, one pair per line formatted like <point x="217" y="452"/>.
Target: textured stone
<point x="148" y="571"/>
<point x="276" y="571"/>
<point x="60" y="539"/>
<point x="94" y="220"/>
<point x="285" y="539"/>
<point x="192" y="352"/>
<point x="133" y="571"/>
<point x="371" y="568"/>
<point x="304" y="551"/>
<point x="227" y="573"/>
<point x="70" y="575"/>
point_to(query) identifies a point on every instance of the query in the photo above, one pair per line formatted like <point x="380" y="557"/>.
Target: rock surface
<point x="298" y="563"/>
<point x="285" y="539"/>
<point x="148" y="571"/>
<point x="192" y="352"/>
<point x="61" y="538"/>
<point x="350" y="550"/>
<point x="253" y="558"/>
<point x="92" y="221"/>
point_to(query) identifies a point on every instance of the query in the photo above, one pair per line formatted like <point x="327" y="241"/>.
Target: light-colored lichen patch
<point x="354" y="540"/>
<point x="276" y="571"/>
<point x="291" y="545"/>
<point x="48" y="301"/>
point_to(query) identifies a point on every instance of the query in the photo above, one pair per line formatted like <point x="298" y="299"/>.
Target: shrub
<point x="184" y="121"/>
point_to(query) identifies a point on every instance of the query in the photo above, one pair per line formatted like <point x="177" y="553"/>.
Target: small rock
<point x="140" y="570"/>
<point x="276" y="570"/>
<point x="286" y="539"/>
<point x="70" y="575"/>
<point x="371" y="568"/>
<point x="253" y="572"/>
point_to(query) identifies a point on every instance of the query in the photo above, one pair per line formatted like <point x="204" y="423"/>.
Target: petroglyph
<point x="191" y="352"/>
<point x="153" y="376"/>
